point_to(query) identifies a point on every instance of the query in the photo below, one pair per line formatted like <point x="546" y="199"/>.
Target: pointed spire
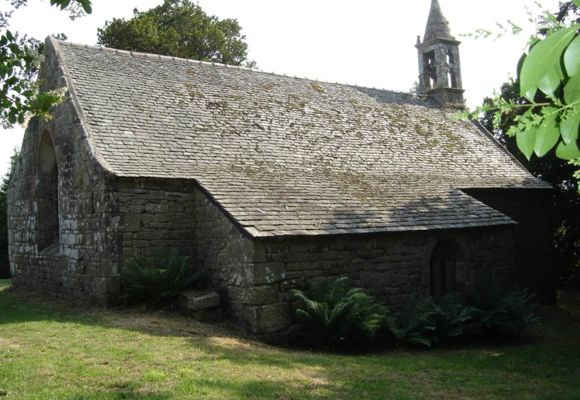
<point x="439" y="65"/>
<point x="437" y="25"/>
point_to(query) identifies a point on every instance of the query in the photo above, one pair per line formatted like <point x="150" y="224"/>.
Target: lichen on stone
<point x="317" y="87"/>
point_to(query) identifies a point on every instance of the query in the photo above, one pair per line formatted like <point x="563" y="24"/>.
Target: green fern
<point x="334" y="314"/>
<point x="159" y="281"/>
<point x="433" y="322"/>
<point x="510" y="313"/>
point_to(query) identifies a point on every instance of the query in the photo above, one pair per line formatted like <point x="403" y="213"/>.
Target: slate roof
<point x="287" y="156"/>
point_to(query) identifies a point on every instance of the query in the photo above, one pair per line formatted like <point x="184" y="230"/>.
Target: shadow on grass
<point x="569" y="299"/>
<point x="465" y="369"/>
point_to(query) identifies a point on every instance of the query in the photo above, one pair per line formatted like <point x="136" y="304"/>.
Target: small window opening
<point x="450" y="58"/>
<point x="430" y="74"/>
<point x="443" y="270"/>
<point x="47" y="195"/>
<point x="451" y="75"/>
<point x="452" y="79"/>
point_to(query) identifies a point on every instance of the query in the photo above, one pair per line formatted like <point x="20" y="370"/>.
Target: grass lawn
<point x="53" y="351"/>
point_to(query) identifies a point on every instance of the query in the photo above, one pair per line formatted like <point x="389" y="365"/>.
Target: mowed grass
<point x="51" y="350"/>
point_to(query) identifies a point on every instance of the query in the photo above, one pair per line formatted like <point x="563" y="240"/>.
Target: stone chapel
<point x="268" y="182"/>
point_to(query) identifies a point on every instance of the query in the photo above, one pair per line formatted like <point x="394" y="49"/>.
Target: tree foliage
<point x="178" y="28"/>
<point x="549" y="91"/>
<point x="19" y="62"/>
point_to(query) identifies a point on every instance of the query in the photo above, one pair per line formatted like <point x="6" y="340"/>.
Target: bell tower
<point x="439" y="66"/>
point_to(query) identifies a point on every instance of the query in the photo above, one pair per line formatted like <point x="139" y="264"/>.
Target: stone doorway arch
<point x="443" y="268"/>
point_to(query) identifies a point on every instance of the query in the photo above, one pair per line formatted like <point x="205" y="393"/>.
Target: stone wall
<point x="82" y="261"/>
<point x="534" y="243"/>
<point x="226" y="252"/>
<point x="160" y="215"/>
<point x="394" y="268"/>
<point x="156" y="216"/>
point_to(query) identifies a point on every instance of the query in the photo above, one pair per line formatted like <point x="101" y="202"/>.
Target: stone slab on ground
<point x="198" y="300"/>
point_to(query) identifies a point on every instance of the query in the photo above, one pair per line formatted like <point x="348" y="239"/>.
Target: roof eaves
<point x="369" y="231"/>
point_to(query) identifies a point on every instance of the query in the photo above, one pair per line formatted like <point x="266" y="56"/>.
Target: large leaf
<point x="570" y="125"/>
<point x="572" y="90"/>
<point x="547" y="136"/>
<point x="541" y="60"/>
<point x="568" y="151"/>
<point x="551" y="81"/>
<point x="526" y="140"/>
<point x="572" y="57"/>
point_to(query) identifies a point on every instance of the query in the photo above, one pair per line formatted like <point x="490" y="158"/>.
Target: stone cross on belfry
<point x="439" y="65"/>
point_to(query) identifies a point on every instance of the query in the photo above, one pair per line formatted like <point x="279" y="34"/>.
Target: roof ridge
<point x="148" y="55"/>
<point x="221" y="65"/>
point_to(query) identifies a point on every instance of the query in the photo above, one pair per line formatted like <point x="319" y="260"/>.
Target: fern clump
<point x="511" y="313"/>
<point x="430" y="322"/>
<point x="333" y="314"/>
<point x="433" y="322"/>
<point x="336" y="315"/>
<point x="158" y="281"/>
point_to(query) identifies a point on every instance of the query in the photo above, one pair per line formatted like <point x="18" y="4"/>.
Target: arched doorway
<point x="47" y="194"/>
<point x="443" y="268"/>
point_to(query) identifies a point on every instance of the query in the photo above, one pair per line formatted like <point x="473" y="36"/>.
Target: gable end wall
<point x="82" y="265"/>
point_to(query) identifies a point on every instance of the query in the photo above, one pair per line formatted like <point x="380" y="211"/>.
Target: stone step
<point x="199" y="300"/>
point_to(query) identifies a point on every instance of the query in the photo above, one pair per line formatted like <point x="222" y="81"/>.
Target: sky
<point x="367" y="42"/>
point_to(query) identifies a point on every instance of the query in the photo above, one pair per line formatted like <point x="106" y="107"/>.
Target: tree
<point x="19" y="62"/>
<point x="178" y="28"/>
<point x="4" y="260"/>
<point x="549" y="167"/>
<point x="549" y="91"/>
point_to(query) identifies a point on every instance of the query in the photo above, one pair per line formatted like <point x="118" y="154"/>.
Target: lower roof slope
<point x="287" y="156"/>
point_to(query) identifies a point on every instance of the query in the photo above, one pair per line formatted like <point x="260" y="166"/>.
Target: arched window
<point x="47" y="194"/>
<point x="443" y="269"/>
